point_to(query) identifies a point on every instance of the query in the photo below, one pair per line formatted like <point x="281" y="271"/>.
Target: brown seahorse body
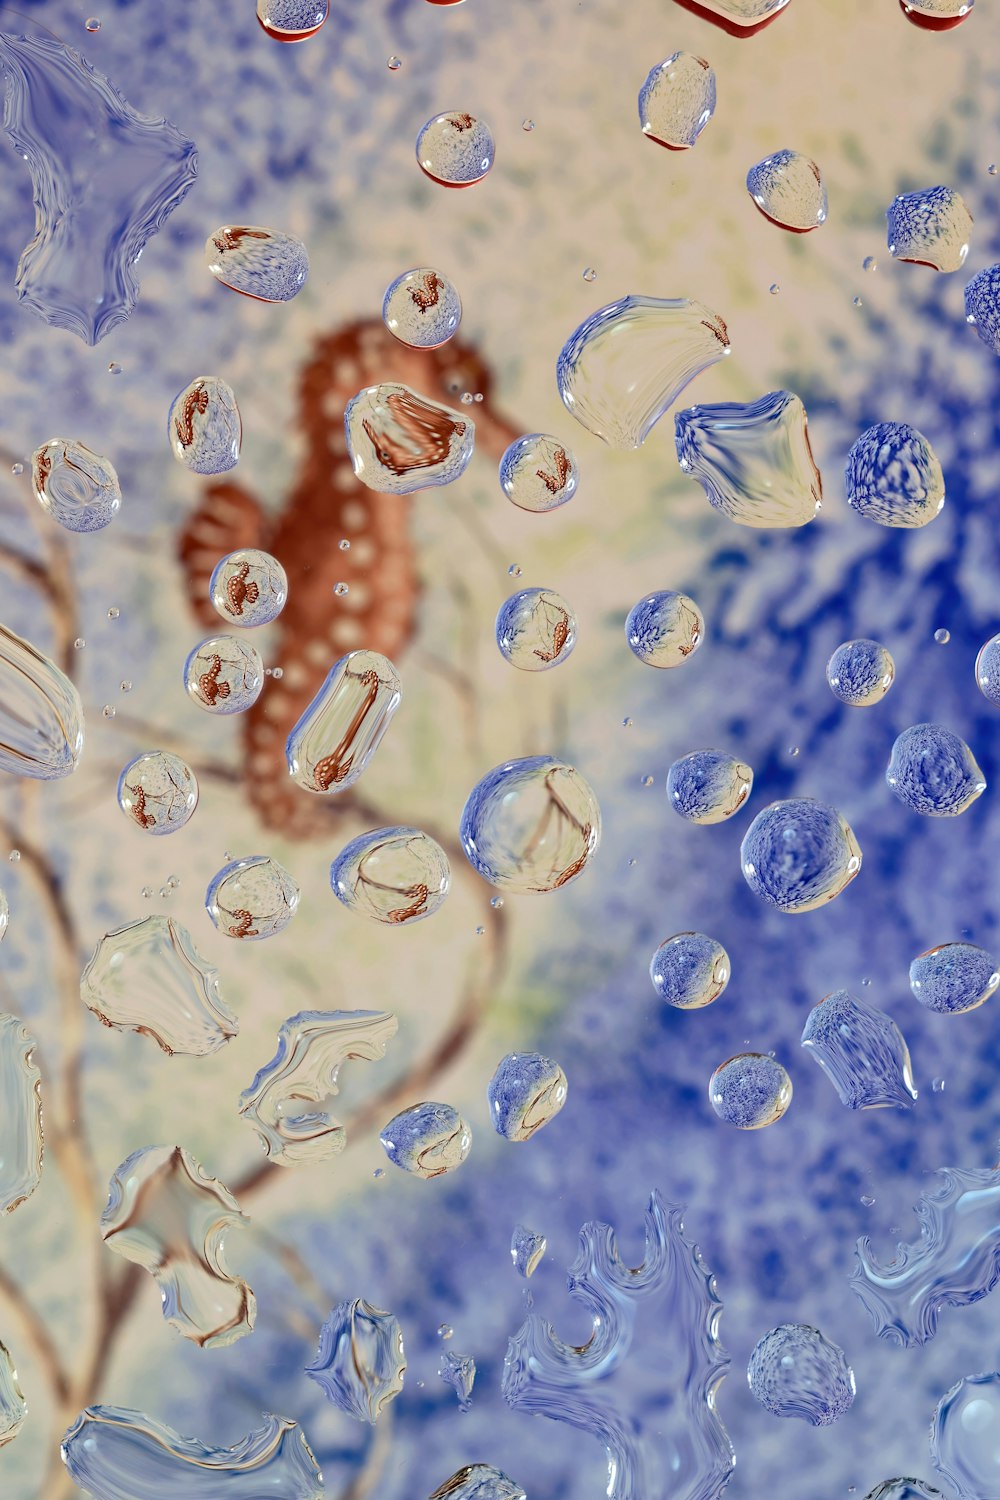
<point x="426" y="296"/>
<point x="555" y="482"/>
<point x="560" y="636"/>
<point x="209" y="685"/>
<point x="239" y="592"/>
<point x="229" y="236"/>
<point x="138" y="808"/>
<point x="461" y="122"/>
<point x="242" y="928"/>
<point x="196" y="401"/>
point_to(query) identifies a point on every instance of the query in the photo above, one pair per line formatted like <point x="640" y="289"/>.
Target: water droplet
<point x="936" y="15"/>
<point x="165" y="1213"/>
<point x="799" y="854"/>
<point x="788" y="189"/>
<point x="148" y="977"/>
<point x="113" y="613"/>
<point x="260" y="263"/>
<point x="982" y="306"/>
<point x="427" y="1139"/>
<point x="750" y="1091"/>
<point x="480" y="932"/>
<point x="252" y="898"/>
<point x="496" y="902"/>
<point x="158" y="791"/>
<point x="116" y="1452"/>
<point x="204" y="427"/>
<point x="17" y="468"/>
<point x="13" y="1407"/>
<point x="862" y="1051"/>
<point x="21" y="1141"/>
<point x="795" y="1372"/>
<point x="477" y="1481"/>
<point x="677" y="100"/>
<point x="893" y="476"/>
<point x="445" y="1331"/>
<point x="79" y="643"/>
<point x="114" y="368"/>
<point x="954" y="978"/>
<point x="538" y="473"/>
<point x="753" y="460"/>
<point x="903" y="1489"/>
<point x="741" y="17"/>
<point x="74" y="486"/>
<point x="535" y="630"/>
<point x="647" y="781"/>
<point x="589" y="274"/>
<point x="531" y="825"/>
<point x="869" y="263"/>
<point x="708" y="786"/>
<point x="992" y="169"/>
<point x="628" y="362"/>
<point x="774" y="288"/>
<point x="933" y="771"/>
<point x="334" y="740"/>
<point x="664" y="629"/>
<point x="930" y="227"/>
<point x="422" y="308"/>
<point x="340" y="589"/>
<point x="514" y="571"/>
<point x="92" y="23"/>
<point x="41" y="716"/>
<point x="277" y="673"/>
<point x="400" y="442"/>
<point x="394" y="63"/>
<point x="14" y="856"/>
<point x="988" y="670"/>
<point x="860" y="672"/>
<point x="146" y="892"/>
<point x="858" y="302"/>
<point x="690" y="970"/>
<point x="867" y="1200"/>
<point x="292" y="20"/>
<point x="288" y="1102"/>
<point x="793" y="751"/>
<point x="122" y="172"/>
<point x="937" y="1086"/>
<point x="378" y="1173"/>
<point x="526" y="1250"/>
<point x="344" y="545"/>
<point x="360" y="1363"/>
<point x="224" y="675"/>
<point x="459" y="1372"/>
<point x="248" y="587"/>
<point x="108" y="711"/>
<point x="942" y="636"/>
<point x="455" y="149"/>
<point x="392" y="875"/>
<point x="527" y="124"/>
<point x="525" y="1093"/>
<point x="125" y="686"/>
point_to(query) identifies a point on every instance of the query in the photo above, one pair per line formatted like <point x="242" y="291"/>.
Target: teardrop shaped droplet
<point x="76" y="487"/>
<point x="400" y="442"/>
<point x="677" y="101"/>
<point x="41" y="716"/>
<point x="931" y="227"/>
<point x="339" y="732"/>
<point x="260" y="263"/>
<point x="788" y="189"/>
<point x="205" y="428"/>
<point x="754" y="461"/>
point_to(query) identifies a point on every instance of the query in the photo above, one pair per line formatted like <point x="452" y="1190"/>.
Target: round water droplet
<point x="860" y="672"/>
<point x="392" y="875"/>
<point x="992" y="169"/>
<point x="988" y="670"/>
<point x="964" y="1446"/>
<point x="858" y="302"/>
<point x="589" y="274"/>
<point x="422" y="308"/>
<point x="788" y="189"/>
<point x="79" y="643"/>
<point x="538" y="472"/>
<point x="114" y="368"/>
<point x="292" y="20"/>
<point x="496" y="902"/>
<point x="869" y="263"/>
<point x="750" y="1091"/>
<point x="527" y="124"/>
<point x="942" y="636"/>
<point x="774" y="288"/>
<point x="664" y="629"/>
<point x="428" y="1140"/>
<point x="108" y="711"/>
<point x="931" y="227"/>
<point x="937" y="1086"/>
<point x="954" y="978"/>
<point x="677" y="100"/>
<point x="340" y="589"/>
<point x="204" y="426"/>
<point x="647" y="781"/>
<point x="535" y="630"/>
<point x="92" y="23"/>
<point x="708" y="786"/>
<point x="799" y="854"/>
<point x="248" y="587"/>
<point x="344" y="545"/>
<point x="795" y="1372"/>
<point x="76" y="487"/>
<point x="158" y="792"/>
<point x="445" y="1331"/>
<point x="394" y="63"/>
<point x="531" y="825"/>
<point x="455" y="149"/>
<point x="690" y="970"/>
<point x="252" y="898"/>
<point x="933" y="771"/>
<point x="224" y="675"/>
<point x="514" y="571"/>
<point x="125" y="686"/>
<point x="17" y="468"/>
<point x="893" y="476"/>
<point x="525" y="1093"/>
<point x="14" y="856"/>
<point x="867" y="1200"/>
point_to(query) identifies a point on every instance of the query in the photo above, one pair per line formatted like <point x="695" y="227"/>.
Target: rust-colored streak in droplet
<point x="429" y="434"/>
<point x="426" y="296"/>
<point x="230" y="236"/>
<point x="461" y="122"/>
<point x="239" y="592"/>
<point x="195" y="402"/>
<point x="209" y="685"/>
<point x="557" y="481"/>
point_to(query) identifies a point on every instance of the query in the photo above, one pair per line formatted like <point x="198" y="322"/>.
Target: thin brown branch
<point x="35" y="1336"/>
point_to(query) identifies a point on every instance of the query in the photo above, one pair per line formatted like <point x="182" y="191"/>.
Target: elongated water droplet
<point x="158" y="792"/>
<point x="677" y="100"/>
<point x="795" y="1372"/>
<point x="459" y="1372"/>
<point x="963" y="1437"/>
<point x="455" y="149"/>
<point x="248" y="587"/>
<point x="224" y="674"/>
<point x="690" y="970"/>
<point x="799" y="854"/>
<point x="860" y="673"/>
<point x="260" y="263"/>
<point x="204" y="427"/>
<point x="74" y="486"/>
<point x="954" y="978"/>
<point x="41" y="716"/>
<point x="400" y="442"/>
<point x="708" y="786"/>
<point x="893" y="476"/>
<point x="13" y="1407"/>
<point x="931" y="227"/>
<point x="538" y="473"/>
<point x="788" y="189"/>
<point x="526" y="1250"/>
<point x="531" y="825"/>
<point x="932" y="771"/>
<point x="422" y="308"/>
<point x="252" y="898"/>
<point x="22" y="1143"/>
<point x="753" y="461"/>
<point x="525" y="1093"/>
<point x="336" y="737"/>
<point x="292" y="20"/>
<point x="535" y="629"/>
<point x="360" y="1363"/>
<point x="392" y="875"/>
<point x="862" y="1052"/>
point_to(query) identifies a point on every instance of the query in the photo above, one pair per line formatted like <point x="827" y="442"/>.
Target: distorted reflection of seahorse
<point x="325" y="504"/>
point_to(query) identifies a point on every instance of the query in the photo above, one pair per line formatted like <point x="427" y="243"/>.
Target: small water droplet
<point x="942" y="636"/>
<point x="79" y="643"/>
<point x="626" y="723"/>
<point x="445" y="1331"/>
<point x="774" y="288"/>
<point x="787" y="188"/>
<point x="467" y="398"/>
<point x="340" y="589"/>
<point x="527" y="124"/>
<point x="14" y="856"/>
<point x="514" y="571"/>
<point x="114" y="368"/>
<point x="378" y="1172"/>
<point x="937" y="1086"/>
<point x="793" y="750"/>
<point x="146" y="893"/>
<point x="277" y="673"/>
<point x="647" y="781"/>
<point x="869" y="263"/>
<point x="17" y="468"/>
<point x="108" y="711"/>
<point x="866" y="982"/>
<point x="992" y="169"/>
<point x="496" y="902"/>
<point x="344" y="545"/>
<point x="480" y="931"/>
<point x="126" y="686"/>
<point x="92" y="23"/>
<point x="589" y="274"/>
<point x="394" y="63"/>
<point x="858" y="302"/>
<point x="113" y="612"/>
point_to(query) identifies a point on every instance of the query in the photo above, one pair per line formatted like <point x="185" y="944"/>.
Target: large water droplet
<point x="795" y="1372"/>
<point x="690" y="970"/>
<point x="76" y="487"/>
<point x="400" y="442"/>
<point x="292" y="20"/>
<point x="860" y="672"/>
<point x="754" y="460"/>
<point x="677" y="100"/>
<point x="427" y="1139"/>
<point x="525" y="1093"/>
<point x="249" y="587"/>
<point x="360" y="1362"/>
<point x="862" y="1052"/>
<point x="535" y="629"/>
<point x="664" y="629"/>
<point x="204" y="427"/>
<point x="788" y="189"/>
<point x="158" y="791"/>
<point x="13" y="1407"/>
<point x="936" y="15"/>
<point x="739" y="18"/>
<point x="261" y="263"/>
<point x="708" y="786"/>
<point x="252" y="898"/>
<point x="964" y="1446"/>
<point x="224" y="675"/>
<point x="455" y="149"/>
<point x="799" y="854"/>
<point x="982" y="306"/>
<point x="538" y="473"/>
<point x="41" y="716"/>
<point x="21" y="1140"/>
<point x="930" y="227"/>
<point x="531" y="825"/>
<point x="893" y="476"/>
<point x="954" y="978"/>
<point x="933" y="771"/>
<point x="750" y="1091"/>
<point x="336" y="737"/>
<point x="393" y="875"/>
<point x="422" y="308"/>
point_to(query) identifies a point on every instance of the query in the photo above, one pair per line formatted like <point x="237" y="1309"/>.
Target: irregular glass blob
<point x="121" y="1454"/>
<point x="988" y="670"/>
<point x="862" y="1051"/>
<point x="252" y="898"/>
<point x="982" y="306"/>
<point x="41" y="716"/>
<point x="360" y="1363"/>
<point x="955" y="1262"/>
<point x="531" y="825"/>
<point x="334" y="740"/>
<point x="526" y="1250"/>
<point x="535" y="629"/>
<point x="893" y="476"/>
<point x="538" y="473"/>
<point x="455" y="149"/>
<point x="964" y="1447"/>
<point x="459" y="1372"/>
<point x="13" y="1407"/>
<point x="708" y="786"/>
<point x="392" y="875"/>
<point x="664" y="629"/>
<point x="932" y="771"/>
<point x="400" y="442"/>
<point x="930" y="227"/>
<point x="477" y="1481"/>
<point x="22" y="1143"/>
<point x="750" y="1091"/>
<point x="74" y="486"/>
<point x="148" y="977"/>
<point x="204" y="427"/>
<point x="904" y="1489"/>
<point x="657" y="1422"/>
<point x="422" y="308"/>
<point x="249" y="587"/>
<point x="937" y="15"/>
<point x="860" y="672"/>
<point x="158" y="791"/>
<point x="690" y="970"/>
<point x="737" y="17"/>
<point x="260" y="263"/>
<point x="165" y="1213"/>
<point x="798" y="854"/>
<point x="754" y="460"/>
<point x="525" y="1093"/>
<point x="288" y="1103"/>
<point x="105" y="179"/>
<point x="795" y="1372"/>
<point x="788" y="189"/>
<point x="224" y="674"/>
<point x="954" y="978"/>
<point x="292" y="20"/>
<point x="427" y="1139"/>
<point x="628" y="362"/>
<point x="677" y="100"/>
<point x="4" y="915"/>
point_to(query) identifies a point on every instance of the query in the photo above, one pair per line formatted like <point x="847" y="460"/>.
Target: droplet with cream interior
<point x="158" y="792"/>
<point x="422" y="308"/>
<point x="677" y="100"/>
<point x="41" y="716"/>
<point x="260" y="263"/>
<point x="204" y="426"/>
<point x="788" y="189"/>
<point x="455" y="149"/>
<point x="392" y="875"/>
<point x="400" y="442"/>
<point x="931" y="227"/>
<point x="334" y="740"/>
<point x="531" y="825"/>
